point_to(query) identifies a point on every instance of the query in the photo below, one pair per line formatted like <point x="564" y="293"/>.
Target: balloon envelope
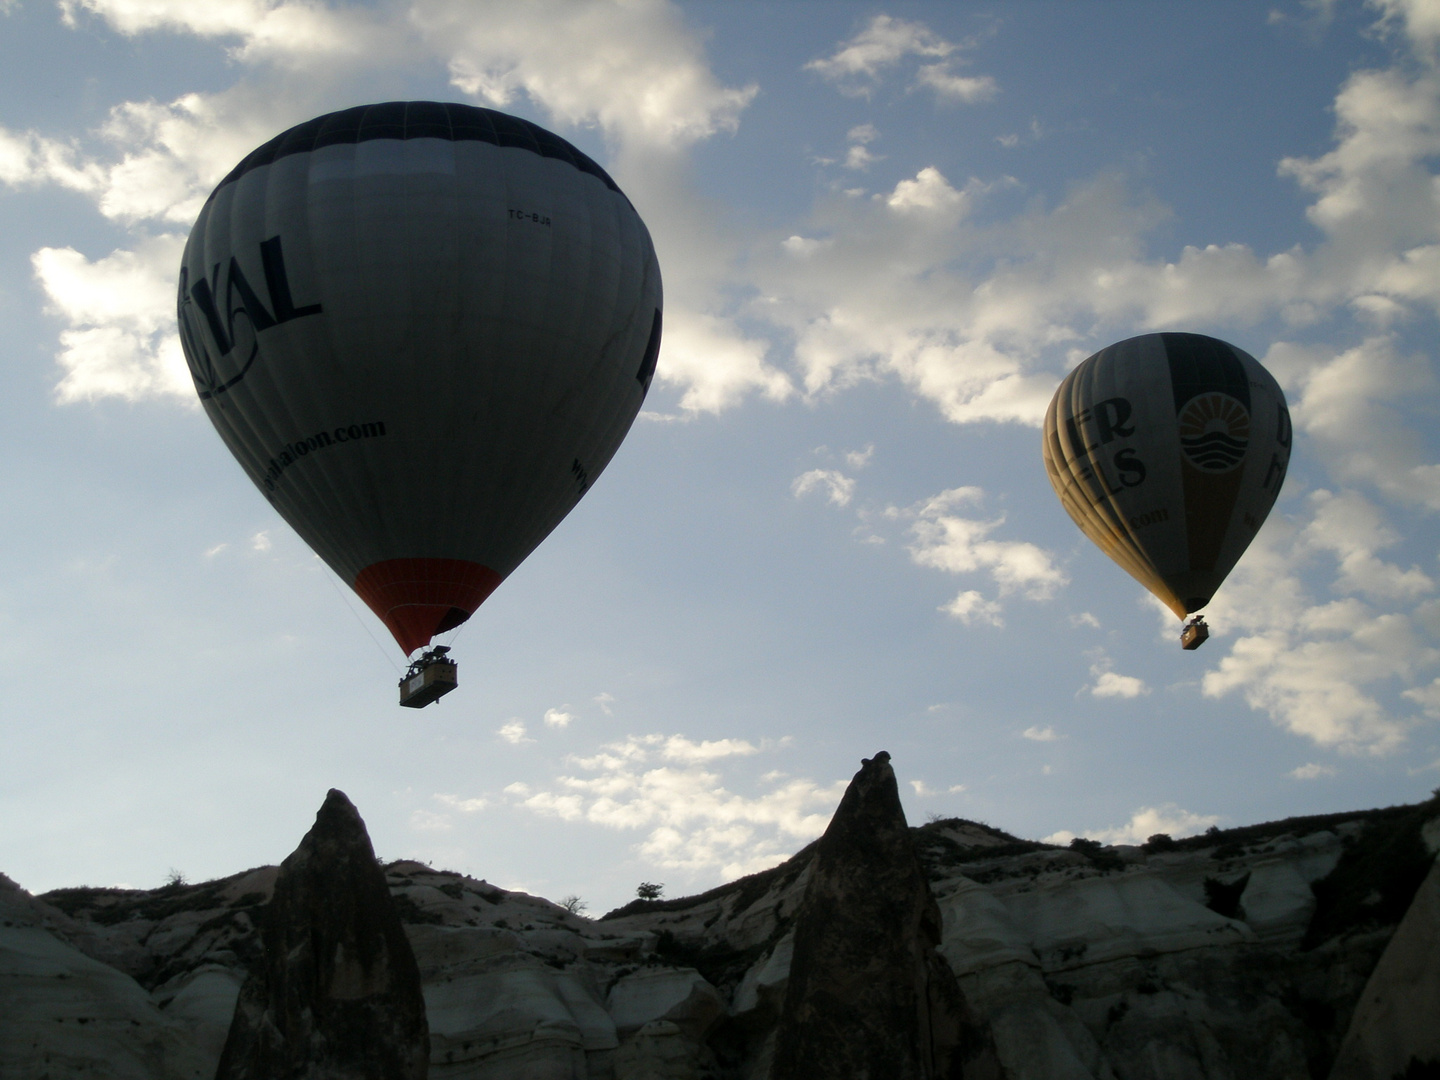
<point x="423" y="330"/>
<point x="1168" y="450"/>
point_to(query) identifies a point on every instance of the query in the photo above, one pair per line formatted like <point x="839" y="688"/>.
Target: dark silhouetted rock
<point x="336" y="995"/>
<point x="869" y="997"/>
<point x="1396" y="1027"/>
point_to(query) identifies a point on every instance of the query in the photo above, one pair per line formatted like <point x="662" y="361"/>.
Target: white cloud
<point x="1312" y="771"/>
<point x="1085" y="619"/>
<point x="1316" y="668"/>
<point x="859" y="158"/>
<point x="1143" y="824"/>
<point x="465" y="806"/>
<point x="691" y="820"/>
<point x="955" y="789"/>
<point x="716" y="365"/>
<point x="260" y="542"/>
<point x="1109" y="684"/>
<point x="679" y="748"/>
<point x="558" y="717"/>
<point x="121" y="339"/>
<point x="291" y="32"/>
<point x="880" y="45"/>
<point x="1040" y="734"/>
<point x="429" y="821"/>
<point x="958" y="545"/>
<point x="929" y="191"/>
<point x="28" y="159"/>
<point x="1349" y="526"/>
<point x="838" y="487"/>
<point x="632" y="68"/>
<point x="513" y="732"/>
<point x="858" y="459"/>
<point x="604" y="700"/>
<point x="1352" y="406"/>
<point x="970" y="89"/>
<point x="857" y="66"/>
<point x="922" y="790"/>
<point x="1427" y="697"/>
<point x="971" y="608"/>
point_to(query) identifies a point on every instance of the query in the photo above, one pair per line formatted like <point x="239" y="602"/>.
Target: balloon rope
<point x="332" y="578"/>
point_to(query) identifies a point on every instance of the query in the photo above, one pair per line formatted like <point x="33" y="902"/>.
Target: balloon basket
<point x="429" y="679"/>
<point x="1195" y="633"/>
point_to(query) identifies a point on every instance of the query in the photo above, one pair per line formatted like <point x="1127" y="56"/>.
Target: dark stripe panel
<point x="1203" y="365"/>
<point x="417" y="120"/>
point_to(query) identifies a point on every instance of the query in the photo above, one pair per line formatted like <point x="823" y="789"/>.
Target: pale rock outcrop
<point x="336" y="994"/>
<point x="495" y="1008"/>
<point x="64" y="1015"/>
<point x="1398" y="1019"/>
<point x="1234" y="956"/>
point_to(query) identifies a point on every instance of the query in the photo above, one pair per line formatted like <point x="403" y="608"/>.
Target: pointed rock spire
<point x="869" y="996"/>
<point x="337" y="992"/>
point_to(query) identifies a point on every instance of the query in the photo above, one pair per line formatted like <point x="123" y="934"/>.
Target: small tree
<point x="649" y="890"/>
<point x="175" y="879"/>
<point x="574" y="904"/>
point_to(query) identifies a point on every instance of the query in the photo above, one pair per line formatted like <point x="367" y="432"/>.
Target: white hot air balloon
<point x="1168" y="450"/>
<point x="423" y="330"/>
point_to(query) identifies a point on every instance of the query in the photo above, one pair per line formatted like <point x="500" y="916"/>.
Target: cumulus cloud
<point x="1312" y="771"/>
<point x="559" y="718"/>
<point x="857" y="66"/>
<point x="1350" y="527"/>
<point x="514" y="732"/>
<point x="663" y="785"/>
<point x="1427" y="697"/>
<point x="1143" y="824"/>
<point x="715" y="364"/>
<point x="838" y="487"/>
<point x="947" y="85"/>
<point x="971" y="608"/>
<point x="290" y="32"/>
<point x="959" y="545"/>
<point x="465" y="806"/>
<point x="1040" y="734"/>
<point x="634" y="69"/>
<point x="120" y="310"/>
<point x="1319" y="668"/>
<point x="1109" y="684"/>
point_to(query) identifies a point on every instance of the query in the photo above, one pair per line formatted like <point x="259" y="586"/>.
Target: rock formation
<point x="1248" y="952"/>
<point x="336" y="994"/>
<point x="1396" y="1026"/>
<point x="868" y="996"/>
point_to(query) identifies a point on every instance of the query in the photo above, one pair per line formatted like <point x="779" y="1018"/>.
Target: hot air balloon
<point x="1168" y="450"/>
<point x="423" y="330"/>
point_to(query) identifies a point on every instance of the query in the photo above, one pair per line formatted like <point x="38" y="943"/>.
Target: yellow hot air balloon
<point x="1168" y="450"/>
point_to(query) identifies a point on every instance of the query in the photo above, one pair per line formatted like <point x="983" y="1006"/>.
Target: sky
<point x="886" y="233"/>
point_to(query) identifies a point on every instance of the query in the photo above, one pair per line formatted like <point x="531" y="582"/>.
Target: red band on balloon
<point x="419" y="598"/>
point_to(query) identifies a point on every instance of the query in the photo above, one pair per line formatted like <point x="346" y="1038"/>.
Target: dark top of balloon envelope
<point x="446" y="120"/>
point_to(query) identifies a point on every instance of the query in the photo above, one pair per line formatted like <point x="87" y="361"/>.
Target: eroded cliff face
<point x="335" y="992"/>
<point x="868" y="997"/>
<point x="1239" y="954"/>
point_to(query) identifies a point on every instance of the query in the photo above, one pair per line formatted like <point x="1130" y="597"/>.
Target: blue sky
<point x="886" y="233"/>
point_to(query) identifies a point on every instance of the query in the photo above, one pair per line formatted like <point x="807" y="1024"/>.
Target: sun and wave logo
<point x="1214" y="432"/>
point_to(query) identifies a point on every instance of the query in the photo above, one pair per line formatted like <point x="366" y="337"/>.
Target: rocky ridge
<point x="1241" y="953"/>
